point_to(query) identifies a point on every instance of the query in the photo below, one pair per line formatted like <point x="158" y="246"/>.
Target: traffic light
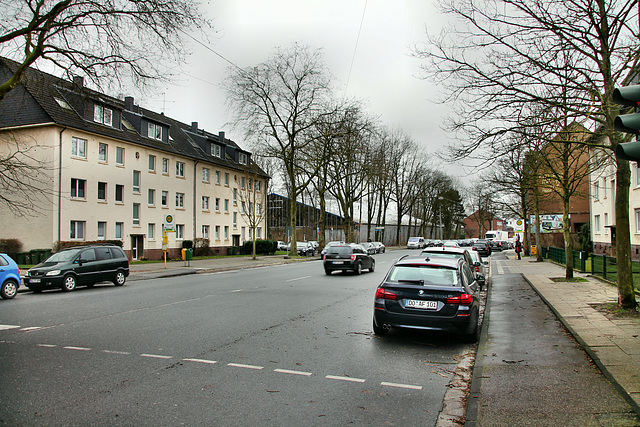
<point x="628" y="123"/>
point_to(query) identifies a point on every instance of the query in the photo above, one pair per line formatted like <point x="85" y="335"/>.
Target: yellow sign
<point x="169" y="224"/>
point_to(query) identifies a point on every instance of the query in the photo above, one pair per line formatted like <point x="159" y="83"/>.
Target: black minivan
<point x="79" y="265"/>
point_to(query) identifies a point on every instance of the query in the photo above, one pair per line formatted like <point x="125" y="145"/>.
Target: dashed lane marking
<point x="47" y="345"/>
<point x="124" y="353"/>
<point x="353" y="380"/>
<point x="5" y="327"/>
<point x="210" y="362"/>
<point x="240" y="365"/>
<point x="156" y="356"/>
<point x="408" y="386"/>
<point x="237" y="290"/>
<point x="76" y="348"/>
<point x="297" y="278"/>
<point x="33" y="328"/>
<point x="287" y="371"/>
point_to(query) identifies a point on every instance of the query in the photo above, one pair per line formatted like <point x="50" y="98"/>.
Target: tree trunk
<point x="568" y="243"/>
<point x="536" y="201"/>
<point x="626" y="295"/>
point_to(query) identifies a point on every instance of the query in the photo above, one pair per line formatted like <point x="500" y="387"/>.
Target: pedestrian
<point x="518" y="246"/>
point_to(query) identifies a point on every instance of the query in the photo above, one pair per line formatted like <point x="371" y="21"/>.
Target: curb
<point x="593" y="355"/>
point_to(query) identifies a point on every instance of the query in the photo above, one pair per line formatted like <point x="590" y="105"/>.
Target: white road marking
<point x="500" y="269"/>
<point x="287" y="371"/>
<point x="77" y="348"/>
<point x="156" y="356"/>
<point x="354" y="380"/>
<point x="299" y="278"/>
<point x="47" y="345"/>
<point x="237" y="290"/>
<point x="125" y="353"/>
<point x="33" y="328"/>
<point x="240" y="365"/>
<point x="409" y="386"/>
<point x="5" y="327"/>
<point x="211" y="362"/>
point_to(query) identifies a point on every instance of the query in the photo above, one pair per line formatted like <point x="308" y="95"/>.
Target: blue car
<point x="9" y="277"/>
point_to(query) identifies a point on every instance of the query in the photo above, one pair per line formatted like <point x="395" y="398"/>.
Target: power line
<point x="355" y="49"/>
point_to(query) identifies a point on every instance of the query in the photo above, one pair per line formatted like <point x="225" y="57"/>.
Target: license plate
<point x="34" y="280"/>
<point x="427" y="305"/>
<point x="338" y="262"/>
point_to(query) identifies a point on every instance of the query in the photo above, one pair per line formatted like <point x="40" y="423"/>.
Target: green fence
<point x="601" y="265"/>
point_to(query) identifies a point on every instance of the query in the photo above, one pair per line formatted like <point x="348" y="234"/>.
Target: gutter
<point x="60" y="184"/>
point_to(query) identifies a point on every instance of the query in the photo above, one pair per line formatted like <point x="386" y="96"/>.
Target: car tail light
<point x="325" y="257"/>
<point x="353" y="257"/>
<point x="382" y="293"/>
<point x="464" y="299"/>
<point x="477" y="268"/>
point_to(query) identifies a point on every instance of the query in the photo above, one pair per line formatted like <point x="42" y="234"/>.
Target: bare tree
<point x="515" y="54"/>
<point x="253" y="204"/>
<point x="278" y="103"/>
<point x="104" y="40"/>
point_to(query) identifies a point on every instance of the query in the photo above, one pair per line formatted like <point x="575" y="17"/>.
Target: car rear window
<point x="425" y="274"/>
<point x="341" y="250"/>
<point x="443" y="255"/>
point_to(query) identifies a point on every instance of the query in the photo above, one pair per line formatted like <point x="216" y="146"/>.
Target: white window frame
<point x="205" y="203"/>
<point x="136" y="181"/>
<point x="217" y="204"/>
<point x="79" y="187"/>
<point x="179" y="231"/>
<point x="637" y="217"/>
<point x="151" y="231"/>
<point x="226" y="205"/>
<point x="154" y="131"/>
<point x="258" y="232"/>
<point x="103" y="225"/>
<point x="180" y="200"/>
<point x="596" y="224"/>
<point x="596" y="190"/>
<point x="103" y="152"/>
<point x="205" y="174"/>
<point x="226" y="179"/>
<point x="102" y="114"/>
<point x="217" y="229"/>
<point x="151" y="197"/>
<point x="226" y="232"/>
<point x="121" y="187"/>
<point x="205" y="231"/>
<point x="217" y="177"/>
<point x="119" y="229"/>
<point x="152" y="163"/>
<point x="136" y="213"/>
<point x="120" y="153"/>
<point x="104" y="193"/>
<point x="235" y="220"/>
<point x="180" y="169"/>
<point x="77" y="229"/>
<point x="165" y="166"/>
<point x="79" y="148"/>
<point x="165" y="199"/>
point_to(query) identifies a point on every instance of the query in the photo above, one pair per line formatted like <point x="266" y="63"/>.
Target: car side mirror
<point x="78" y="261"/>
<point x="486" y="262"/>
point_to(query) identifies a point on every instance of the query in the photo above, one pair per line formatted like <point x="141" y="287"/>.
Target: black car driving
<point x="482" y="246"/>
<point x="428" y="293"/>
<point x="347" y="257"/>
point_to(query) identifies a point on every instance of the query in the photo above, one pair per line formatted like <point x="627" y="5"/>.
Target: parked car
<point x="380" y="248"/>
<point x="479" y="267"/>
<point x="449" y="252"/>
<point x="347" y="257"/>
<point x="80" y="265"/>
<point x="496" y="246"/>
<point x="439" y="294"/>
<point x="368" y="246"/>
<point x="482" y="246"/>
<point x="281" y="246"/>
<point x="451" y="243"/>
<point x="416" y="243"/>
<point x="9" y="277"/>
<point x="305" y="249"/>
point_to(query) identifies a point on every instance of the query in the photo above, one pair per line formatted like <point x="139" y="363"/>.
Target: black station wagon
<point x="348" y="257"/>
<point x="81" y="265"/>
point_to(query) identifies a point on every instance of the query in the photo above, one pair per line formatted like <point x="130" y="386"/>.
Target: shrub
<point x="187" y="244"/>
<point x="202" y="247"/>
<point x="11" y="247"/>
<point x="263" y="247"/>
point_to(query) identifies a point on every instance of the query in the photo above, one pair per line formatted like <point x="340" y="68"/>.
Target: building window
<point x="217" y="232"/>
<point x="79" y="147"/>
<point x="151" y="199"/>
<point x="259" y="209"/>
<point x="235" y="220"/>
<point x="242" y="158"/>
<point x="165" y="196"/>
<point x="165" y="166"/>
<point x="242" y="207"/>
<point x="119" y="193"/>
<point x="205" y="203"/>
<point x="596" y="225"/>
<point x="243" y="233"/>
<point x="180" y="200"/>
<point x="77" y="188"/>
<point x="119" y="156"/>
<point x="179" y="231"/>
<point x="102" y="191"/>
<point x="180" y="169"/>
<point x="226" y="232"/>
<point x="217" y="204"/>
<point x="155" y="131"/>
<point x="119" y="227"/>
<point x="102" y="115"/>
<point x="596" y="190"/>
<point x="77" y="230"/>
<point x="216" y="150"/>
<point x="637" y="215"/>
<point x="226" y="179"/>
<point x="242" y="182"/>
<point x="258" y="185"/>
<point x="249" y="184"/>
<point x="151" y="231"/>
<point x="102" y="152"/>
<point x="136" y="214"/>
<point x="205" y="174"/>
<point x="258" y="232"/>
<point x="235" y="196"/>
<point x="637" y="173"/>
<point x="217" y="177"/>
<point x="226" y="205"/>
<point x="136" y="181"/>
<point x="102" y="230"/>
<point x="205" y="231"/>
<point x="152" y="163"/>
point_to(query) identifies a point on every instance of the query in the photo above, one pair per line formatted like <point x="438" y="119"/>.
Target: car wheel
<point x="373" y="266"/>
<point x="9" y="289"/>
<point x="474" y="336"/>
<point x="69" y="283"/>
<point x="378" y="330"/>
<point x="327" y="272"/>
<point x="120" y="278"/>
<point x="358" y="268"/>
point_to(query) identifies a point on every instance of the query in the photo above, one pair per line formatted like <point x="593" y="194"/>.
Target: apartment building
<point x="108" y="169"/>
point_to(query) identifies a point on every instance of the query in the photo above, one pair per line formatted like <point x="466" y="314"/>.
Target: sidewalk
<point x="520" y="344"/>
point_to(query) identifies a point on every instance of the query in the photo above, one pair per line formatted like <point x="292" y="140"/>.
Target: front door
<point x="137" y="246"/>
<point x="236" y="240"/>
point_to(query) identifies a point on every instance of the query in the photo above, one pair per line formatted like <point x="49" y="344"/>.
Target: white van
<point x="416" y="243"/>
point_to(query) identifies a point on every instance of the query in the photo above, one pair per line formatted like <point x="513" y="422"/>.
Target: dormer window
<point x="102" y="114"/>
<point x="243" y="158"/>
<point x="216" y="150"/>
<point x="155" y="131"/>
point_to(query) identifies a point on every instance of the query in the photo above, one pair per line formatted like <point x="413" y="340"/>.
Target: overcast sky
<point x="384" y="74"/>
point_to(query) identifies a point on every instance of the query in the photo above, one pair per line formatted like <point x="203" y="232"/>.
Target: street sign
<point x="169" y="223"/>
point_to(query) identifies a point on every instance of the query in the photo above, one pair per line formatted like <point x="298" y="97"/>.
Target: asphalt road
<point x="283" y="345"/>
